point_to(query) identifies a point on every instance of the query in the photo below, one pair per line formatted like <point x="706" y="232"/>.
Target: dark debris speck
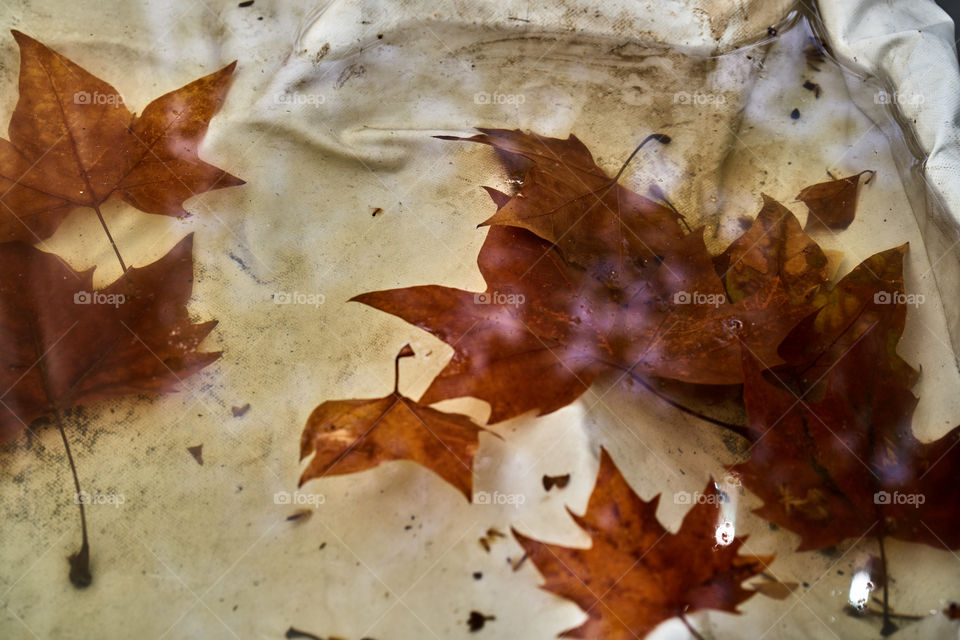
<point x="477" y="620"/>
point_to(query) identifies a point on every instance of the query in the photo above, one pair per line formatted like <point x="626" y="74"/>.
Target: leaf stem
<point x="80" y="574"/>
<point x="663" y="197"/>
<point x="662" y="138"/>
<point x="869" y="611"/>
<point x="297" y="633"/>
<point x="888" y="626"/>
<point x="693" y="632"/>
<point x="738" y="429"/>
<point x="113" y="243"/>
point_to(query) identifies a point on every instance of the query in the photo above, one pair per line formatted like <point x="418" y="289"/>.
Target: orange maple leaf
<point x="636" y="574"/>
<point x="73" y="143"/>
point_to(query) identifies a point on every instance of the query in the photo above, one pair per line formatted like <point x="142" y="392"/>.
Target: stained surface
<point x="211" y="546"/>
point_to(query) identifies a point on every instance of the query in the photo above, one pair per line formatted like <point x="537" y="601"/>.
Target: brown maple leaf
<point x="347" y="436"/>
<point x="567" y="199"/>
<point x="774" y="247"/>
<point x="544" y="328"/>
<point x="637" y="248"/>
<point x="833" y="204"/>
<point x="636" y="574"/>
<point x="872" y="294"/>
<point x="848" y="465"/>
<point x="531" y="341"/>
<point x="67" y="345"/>
<point x="73" y="143"/>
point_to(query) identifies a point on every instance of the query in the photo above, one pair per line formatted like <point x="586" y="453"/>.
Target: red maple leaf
<point x="833" y="204"/>
<point x="848" y="465"/>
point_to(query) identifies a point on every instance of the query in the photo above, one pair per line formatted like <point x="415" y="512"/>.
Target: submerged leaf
<point x="68" y="345"/>
<point x="73" y="143"/>
<point x="347" y="436"/>
<point x="832" y="204"/>
<point x="848" y="465"/>
<point x="636" y="574"/>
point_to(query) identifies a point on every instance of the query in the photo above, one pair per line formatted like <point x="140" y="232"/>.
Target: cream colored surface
<point x="328" y="121"/>
<point x="912" y="47"/>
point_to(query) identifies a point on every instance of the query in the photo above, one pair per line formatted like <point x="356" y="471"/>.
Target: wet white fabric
<point x="912" y="46"/>
<point x="330" y="119"/>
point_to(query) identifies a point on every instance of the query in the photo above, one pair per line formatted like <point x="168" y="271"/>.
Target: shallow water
<point x="326" y="131"/>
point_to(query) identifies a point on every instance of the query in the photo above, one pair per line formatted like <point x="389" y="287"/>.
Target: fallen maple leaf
<point x="848" y="465"/>
<point x="773" y="247"/>
<point x="544" y="328"/>
<point x="347" y="436"/>
<point x="567" y="199"/>
<point x="833" y="204"/>
<point x="872" y="294"/>
<point x="531" y="341"/>
<point x="73" y="143"/>
<point x="68" y="345"/>
<point x="637" y="248"/>
<point x="636" y="574"/>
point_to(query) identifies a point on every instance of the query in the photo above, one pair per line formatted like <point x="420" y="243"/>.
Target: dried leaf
<point x="347" y="436"/>
<point x="528" y="342"/>
<point x="833" y="204"/>
<point x="68" y="345"/>
<point x="636" y="574"/>
<point x="849" y="466"/>
<point x="73" y="143"/>
<point x="566" y="199"/>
